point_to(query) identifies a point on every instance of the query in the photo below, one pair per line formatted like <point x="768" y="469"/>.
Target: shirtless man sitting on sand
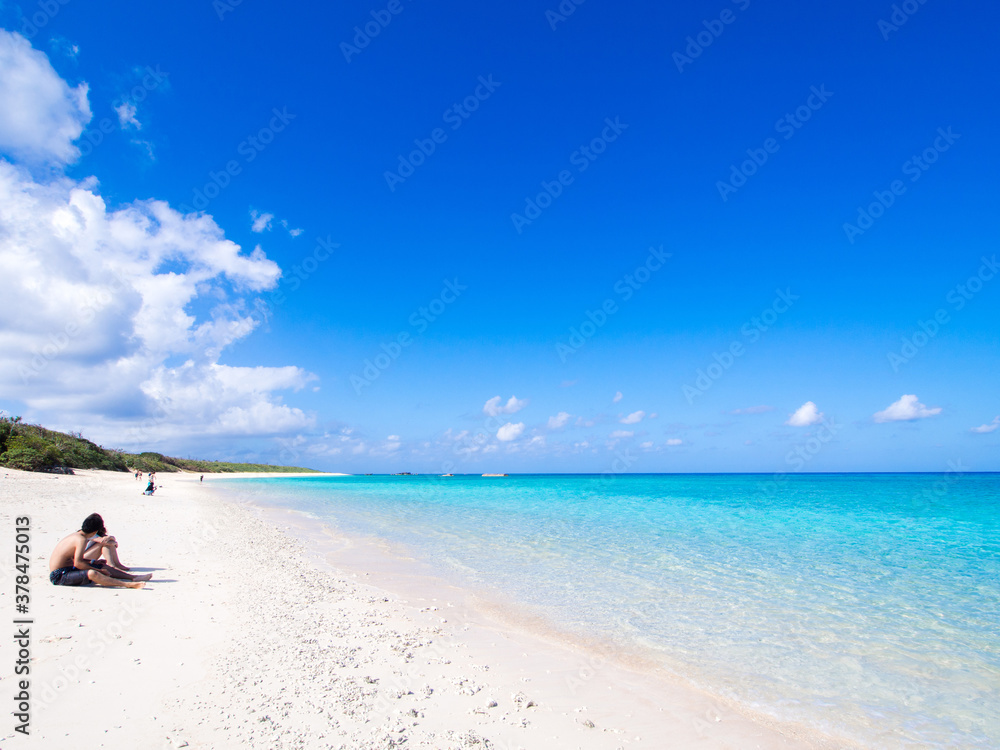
<point x="68" y="567"/>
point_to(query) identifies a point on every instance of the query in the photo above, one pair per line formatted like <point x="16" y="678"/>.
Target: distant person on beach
<point x="202" y="478"/>
<point x="68" y="567"/>
<point x="150" y="488"/>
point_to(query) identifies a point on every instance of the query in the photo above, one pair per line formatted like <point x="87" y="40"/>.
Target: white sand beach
<point x="245" y="638"/>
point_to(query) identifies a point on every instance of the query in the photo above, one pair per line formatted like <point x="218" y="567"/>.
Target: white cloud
<point x="293" y="232"/>
<point x="907" y="409"/>
<point x="386" y="448"/>
<point x="260" y="222"/>
<point x="753" y="410"/>
<point x="510" y="432"/>
<point x="233" y="401"/>
<point x="117" y="319"/>
<point x="633" y="418"/>
<point x="146" y="146"/>
<point x="41" y="115"/>
<point x="989" y="427"/>
<point x="805" y="415"/>
<point x="126" y="116"/>
<point x="64" y="46"/>
<point x="618" y="434"/>
<point x="559" y="420"/>
<point x="647" y="445"/>
<point x="493" y="407"/>
<point x="618" y="397"/>
<point x="674" y="441"/>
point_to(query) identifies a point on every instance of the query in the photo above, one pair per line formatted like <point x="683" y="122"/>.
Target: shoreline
<point x="484" y="614"/>
<point x="249" y="636"/>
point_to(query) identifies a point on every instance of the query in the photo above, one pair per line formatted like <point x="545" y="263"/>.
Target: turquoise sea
<point x="864" y="605"/>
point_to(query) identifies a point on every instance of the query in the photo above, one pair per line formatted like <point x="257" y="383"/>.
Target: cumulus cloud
<point x="559" y="420"/>
<point x="493" y="407"/>
<point x="65" y="47"/>
<point x="341" y="443"/>
<point x="260" y="222"/>
<point x="619" y="434"/>
<point x="235" y="398"/>
<point x="988" y="427"/>
<point x="618" y="397"/>
<point x="41" y="115"/>
<point x="126" y="116"/>
<point x="633" y="418"/>
<point x="117" y="319"/>
<point x="805" y="415"/>
<point x="907" y="409"/>
<point x="293" y="232"/>
<point x="674" y="441"/>
<point x="98" y="302"/>
<point x="510" y="432"/>
<point x="753" y="410"/>
<point x="146" y="146"/>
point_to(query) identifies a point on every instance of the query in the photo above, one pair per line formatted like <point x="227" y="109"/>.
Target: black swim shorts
<point x="68" y="576"/>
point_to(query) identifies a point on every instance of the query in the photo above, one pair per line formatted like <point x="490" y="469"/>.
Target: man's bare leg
<point x="122" y="575"/>
<point x="111" y="555"/>
<point x="102" y="580"/>
<point x="108" y="553"/>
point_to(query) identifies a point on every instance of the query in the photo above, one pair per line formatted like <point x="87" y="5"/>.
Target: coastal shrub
<point x="34" y="448"/>
<point x="149" y="461"/>
<point x="8" y="428"/>
<point x="30" y="453"/>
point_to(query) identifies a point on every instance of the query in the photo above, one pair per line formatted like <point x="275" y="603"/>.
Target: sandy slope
<point x="245" y="639"/>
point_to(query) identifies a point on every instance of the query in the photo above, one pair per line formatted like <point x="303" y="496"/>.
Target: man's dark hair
<point x="92" y="523"/>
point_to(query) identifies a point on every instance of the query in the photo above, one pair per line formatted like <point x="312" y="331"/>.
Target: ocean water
<point x="864" y="605"/>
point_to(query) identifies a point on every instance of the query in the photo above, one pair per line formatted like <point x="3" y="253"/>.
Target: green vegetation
<point x="33" y="448"/>
<point x="158" y="462"/>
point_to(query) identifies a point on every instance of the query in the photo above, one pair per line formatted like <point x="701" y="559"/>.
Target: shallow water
<point x="864" y="605"/>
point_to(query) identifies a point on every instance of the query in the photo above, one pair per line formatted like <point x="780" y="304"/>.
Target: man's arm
<point x="80" y="546"/>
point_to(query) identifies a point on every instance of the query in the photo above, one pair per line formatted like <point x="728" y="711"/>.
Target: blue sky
<point x="269" y="198"/>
